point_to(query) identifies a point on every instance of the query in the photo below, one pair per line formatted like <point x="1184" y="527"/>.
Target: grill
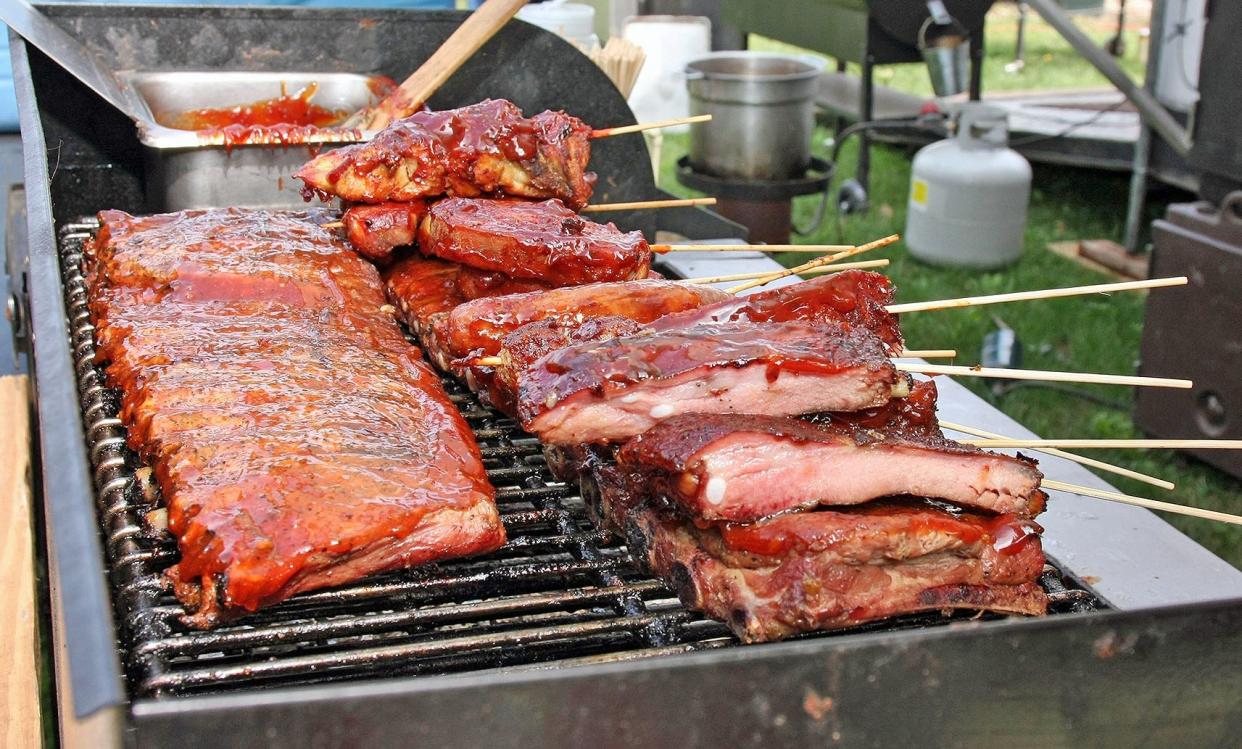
<point x="557" y="640"/>
<point x="561" y="592"/>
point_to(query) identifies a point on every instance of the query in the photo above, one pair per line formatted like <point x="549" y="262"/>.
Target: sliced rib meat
<point x="913" y="416"/>
<point x="852" y="297"/>
<point x="487" y="148"/>
<point x="615" y="389"/>
<point x="832" y="569"/>
<point x="745" y="468"/>
<point x="541" y="241"/>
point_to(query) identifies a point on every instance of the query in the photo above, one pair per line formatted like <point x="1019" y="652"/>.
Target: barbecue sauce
<point x="283" y="120"/>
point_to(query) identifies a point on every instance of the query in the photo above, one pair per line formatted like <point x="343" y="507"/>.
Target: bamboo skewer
<point x="640" y="205"/>
<point x="1022" y="296"/>
<point x="1088" y="444"/>
<point x="1150" y="504"/>
<point x="817" y="262"/>
<point x="820" y="248"/>
<point x="930" y="353"/>
<point x="1091" y="462"/>
<point x="812" y="272"/>
<point x="621" y="60"/>
<point x="608" y="132"/>
<point x="631" y="206"/>
<point x="461" y="45"/>
<point x="1046" y="375"/>
<point x="495" y="361"/>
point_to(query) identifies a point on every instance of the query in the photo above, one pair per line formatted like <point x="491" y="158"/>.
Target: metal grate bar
<point x="560" y="593"/>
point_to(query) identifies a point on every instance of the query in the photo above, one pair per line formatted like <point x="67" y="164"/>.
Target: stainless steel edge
<point x="1110" y="679"/>
<point x="179" y="91"/>
<point x="1130" y="556"/>
<point x="91" y="664"/>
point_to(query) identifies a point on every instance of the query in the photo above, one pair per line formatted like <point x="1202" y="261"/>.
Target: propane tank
<point x="968" y="195"/>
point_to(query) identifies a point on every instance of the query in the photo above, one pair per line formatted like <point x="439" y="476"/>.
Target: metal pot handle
<point x="1231" y="207"/>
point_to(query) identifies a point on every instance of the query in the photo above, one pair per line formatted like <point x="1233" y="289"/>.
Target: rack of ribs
<point x="839" y="568"/>
<point x="488" y="148"/>
<point x="298" y="440"/>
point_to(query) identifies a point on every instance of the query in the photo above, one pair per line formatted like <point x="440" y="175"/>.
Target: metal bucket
<point x="946" y="50"/>
<point x="762" y="111"/>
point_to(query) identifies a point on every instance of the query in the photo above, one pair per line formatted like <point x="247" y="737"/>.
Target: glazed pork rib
<point x="487" y="148"/>
<point x="376" y="231"/>
<point x="855" y="298"/>
<point x="831" y="569"/>
<point x="730" y="467"/>
<point x="480" y="326"/>
<point x="541" y="241"/>
<point x="606" y="391"/>
<point x="299" y="441"/>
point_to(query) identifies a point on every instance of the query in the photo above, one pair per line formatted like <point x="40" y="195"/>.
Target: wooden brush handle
<point x="478" y="27"/>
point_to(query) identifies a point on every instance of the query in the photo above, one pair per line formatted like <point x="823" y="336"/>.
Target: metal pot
<point x="762" y="111"/>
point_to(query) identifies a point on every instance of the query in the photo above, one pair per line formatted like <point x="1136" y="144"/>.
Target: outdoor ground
<point x="1088" y="334"/>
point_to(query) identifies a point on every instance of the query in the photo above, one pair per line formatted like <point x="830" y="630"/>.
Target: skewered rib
<point x="376" y="231"/>
<point x="487" y="148"/>
<point x="853" y="297"/>
<point x="544" y="242"/>
<point x="481" y="325"/>
<point x="530" y="343"/>
<point x="612" y="390"/>
<point x="745" y="468"/>
<point x="299" y="441"/>
<point x="912" y="417"/>
<point x="425" y="290"/>
<point x="831" y="569"/>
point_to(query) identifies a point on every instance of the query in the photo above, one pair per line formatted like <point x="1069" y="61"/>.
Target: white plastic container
<point x="969" y="195"/>
<point x="573" y="21"/>
<point x="670" y="43"/>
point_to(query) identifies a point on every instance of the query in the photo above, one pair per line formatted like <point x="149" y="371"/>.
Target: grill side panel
<point x="1158" y="677"/>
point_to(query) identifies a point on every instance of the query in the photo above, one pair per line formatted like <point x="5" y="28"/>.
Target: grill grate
<point x="561" y="592"/>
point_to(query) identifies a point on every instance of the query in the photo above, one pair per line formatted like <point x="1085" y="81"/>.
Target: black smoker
<point x="1203" y="240"/>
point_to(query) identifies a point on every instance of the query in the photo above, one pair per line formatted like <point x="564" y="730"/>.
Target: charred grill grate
<point x="561" y="592"/>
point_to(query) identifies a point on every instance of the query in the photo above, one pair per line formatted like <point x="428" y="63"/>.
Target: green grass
<point x="1089" y="334"/>
<point x="1051" y="63"/>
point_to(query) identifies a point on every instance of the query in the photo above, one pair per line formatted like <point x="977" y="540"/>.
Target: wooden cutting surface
<point x="19" y="703"/>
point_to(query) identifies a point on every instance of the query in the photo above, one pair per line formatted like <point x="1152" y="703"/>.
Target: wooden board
<point x="19" y="723"/>
<point x="1072" y="249"/>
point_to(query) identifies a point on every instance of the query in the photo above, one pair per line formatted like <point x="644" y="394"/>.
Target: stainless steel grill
<point x="561" y="592"/>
